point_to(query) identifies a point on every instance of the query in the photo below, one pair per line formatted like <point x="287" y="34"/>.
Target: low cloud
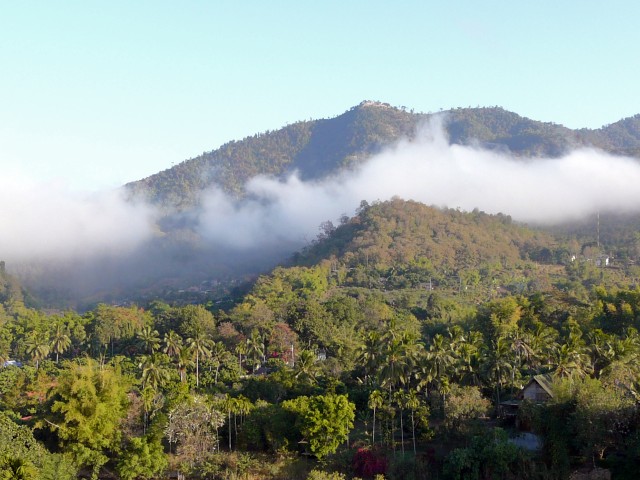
<point x="45" y="221"/>
<point x="429" y="170"/>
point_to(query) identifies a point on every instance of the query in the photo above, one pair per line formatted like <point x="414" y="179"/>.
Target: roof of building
<point x="544" y="380"/>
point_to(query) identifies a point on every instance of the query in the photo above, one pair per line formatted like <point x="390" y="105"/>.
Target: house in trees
<point x="538" y="389"/>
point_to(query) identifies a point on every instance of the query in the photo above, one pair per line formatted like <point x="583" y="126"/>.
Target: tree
<point x="23" y="457"/>
<point x="323" y="420"/>
<point x="440" y="358"/>
<point x="464" y="404"/>
<point x="218" y="355"/>
<point x="306" y="368"/>
<point x="200" y="348"/>
<point x="196" y="321"/>
<point x="256" y="349"/>
<point x="144" y="458"/>
<point x="149" y="339"/>
<point x="37" y="346"/>
<point x="16" y="468"/>
<point x="191" y="427"/>
<point x="499" y="317"/>
<point x="603" y="415"/>
<point x="117" y="323"/>
<point x="184" y="361"/>
<point x="499" y="365"/>
<point x="172" y="344"/>
<point x="89" y="403"/>
<point x="370" y="353"/>
<point x="399" y="398"/>
<point x="412" y="402"/>
<point x="572" y="359"/>
<point x="154" y="370"/>
<point x="60" y="339"/>
<point x="375" y="401"/>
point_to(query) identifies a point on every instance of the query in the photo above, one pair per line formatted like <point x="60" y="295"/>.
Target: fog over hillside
<point x="100" y="241"/>
<point x="430" y="170"/>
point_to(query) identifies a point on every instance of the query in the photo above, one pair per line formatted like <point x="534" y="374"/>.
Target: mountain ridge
<point x="317" y="148"/>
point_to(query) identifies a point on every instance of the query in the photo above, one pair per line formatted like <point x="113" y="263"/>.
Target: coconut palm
<point x="499" y="364"/>
<point x="544" y="345"/>
<point x="172" y="344"/>
<point x="200" y="347"/>
<point x="184" y="361"/>
<point x="572" y="361"/>
<point x="149" y="339"/>
<point x="412" y="402"/>
<point x="306" y="368"/>
<point x="60" y="340"/>
<point x="375" y="401"/>
<point x="37" y="346"/>
<point x="467" y="366"/>
<point x="370" y="353"/>
<point x="399" y="398"/>
<point x="154" y="370"/>
<point x="218" y="355"/>
<point x="255" y="350"/>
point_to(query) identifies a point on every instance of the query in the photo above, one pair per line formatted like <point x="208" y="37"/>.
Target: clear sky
<point x="95" y="94"/>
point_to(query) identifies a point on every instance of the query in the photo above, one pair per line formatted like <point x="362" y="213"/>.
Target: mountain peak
<point x="373" y="103"/>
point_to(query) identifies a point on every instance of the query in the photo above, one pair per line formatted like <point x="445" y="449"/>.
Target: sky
<point x="97" y="94"/>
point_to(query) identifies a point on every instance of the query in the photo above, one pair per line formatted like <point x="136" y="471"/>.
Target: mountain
<point x="319" y="148"/>
<point x="195" y="256"/>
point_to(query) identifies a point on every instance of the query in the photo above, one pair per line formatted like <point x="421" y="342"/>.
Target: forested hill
<point x="405" y="244"/>
<point x="319" y="147"/>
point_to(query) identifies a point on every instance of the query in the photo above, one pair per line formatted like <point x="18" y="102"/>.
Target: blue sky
<point x="95" y="94"/>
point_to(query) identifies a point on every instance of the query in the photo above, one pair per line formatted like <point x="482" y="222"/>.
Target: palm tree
<point x="399" y="399"/>
<point x="306" y="367"/>
<point x="543" y="344"/>
<point x="498" y="364"/>
<point x="183" y="362"/>
<point x="400" y="354"/>
<point x="375" y="401"/>
<point x="37" y="346"/>
<point x="571" y="361"/>
<point x="467" y="364"/>
<point x="255" y="349"/>
<point x="369" y="354"/>
<point x="413" y="403"/>
<point x="18" y="468"/>
<point x="439" y="362"/>
<point x="521" y="347"/>
<point x="241" y="349"/>
<point x="624" y="365"/>
<point x="154" y="371"/>
<point x="230" y="404"/>
<point x="150" y="339"/>
<point x="218" y="354"/>
<point x="440" y="355"/>
<point x="60" y="340"/>
<point x="200" y="347"/>
<point x="172" y="344"/>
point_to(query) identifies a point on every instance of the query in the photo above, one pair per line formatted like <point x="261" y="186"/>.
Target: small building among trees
<point x="538" y="389"/>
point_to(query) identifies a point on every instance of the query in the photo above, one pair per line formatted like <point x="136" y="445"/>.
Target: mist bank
<point x="93" y="245"/>
<point x="542" y="191"/>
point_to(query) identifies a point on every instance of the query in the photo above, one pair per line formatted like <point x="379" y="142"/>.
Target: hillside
<point x="320" y="147"/>
<point x="399" y="244"/>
